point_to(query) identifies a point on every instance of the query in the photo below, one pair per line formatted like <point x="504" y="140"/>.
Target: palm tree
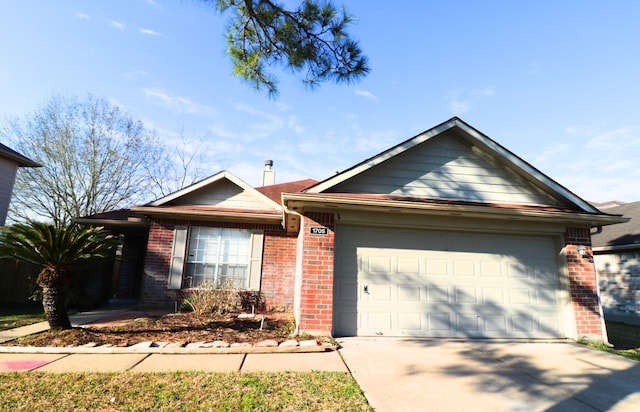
<point x="55" y="249"/>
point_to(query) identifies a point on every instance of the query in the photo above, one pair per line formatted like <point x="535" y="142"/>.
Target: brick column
<point x="583" y="284"/>
<point x="154" y="291"/>
<point x="278" y="270"/>
<point x="316" y="294"/>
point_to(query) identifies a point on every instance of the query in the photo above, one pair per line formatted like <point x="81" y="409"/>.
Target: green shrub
<point x="213" y="297"/>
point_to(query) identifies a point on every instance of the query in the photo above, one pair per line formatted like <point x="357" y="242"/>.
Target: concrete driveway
<point x="447" y="375"/>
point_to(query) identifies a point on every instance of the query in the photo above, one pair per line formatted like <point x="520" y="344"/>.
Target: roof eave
<point x="618" y="248"/>
<point x="210" y="215"/>
<point x="300" y="202"/>
<point x="130" y="223"/>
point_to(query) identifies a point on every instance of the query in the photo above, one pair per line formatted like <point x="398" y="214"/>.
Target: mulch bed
<point x="135" y="327"/>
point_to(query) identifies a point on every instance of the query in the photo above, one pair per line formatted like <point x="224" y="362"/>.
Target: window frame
<point x="180" y="247"/>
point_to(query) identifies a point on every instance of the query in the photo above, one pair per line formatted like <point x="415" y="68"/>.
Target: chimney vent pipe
<point x="268" y="175"/>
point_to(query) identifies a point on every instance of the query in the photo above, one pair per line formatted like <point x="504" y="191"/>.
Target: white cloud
<point x="489" y="91"/>
<point x="596" y="165"/>
<point x="551" y="152"/>
<point x="137" y="73"/>
<point x="456" y="104"/>
<point x="261" y="128"/>
<point x="294" y="125"/>
<point x="459" y="107"/>
<point x="461" y="101"/>
<point x="148" y="32"/>
<point x="220" y="131"/>
<point x="374" y="142"/>
<point x="614" y="140"/>
<point x="534" y="68"/>
<point x="82" y="16"/>
<point x="178" y="103"/>
<point x="116" y="24"/>
<point x="367" y="95"/>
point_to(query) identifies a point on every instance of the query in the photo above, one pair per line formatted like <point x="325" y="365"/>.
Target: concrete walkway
<point x="146" y="362"/>
<point x="28" y="359"/>
<point x="449" y="375"/>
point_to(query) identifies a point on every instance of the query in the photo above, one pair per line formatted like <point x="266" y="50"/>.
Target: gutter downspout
<point x="297" y="283"/>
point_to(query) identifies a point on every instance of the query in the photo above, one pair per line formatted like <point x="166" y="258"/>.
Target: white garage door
<point x="396" y="282"/>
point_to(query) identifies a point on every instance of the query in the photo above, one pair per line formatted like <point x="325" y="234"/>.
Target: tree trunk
<point x="54" y="305"/>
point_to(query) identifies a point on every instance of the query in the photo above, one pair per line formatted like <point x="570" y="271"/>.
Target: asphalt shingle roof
<point x="622" y="234"/>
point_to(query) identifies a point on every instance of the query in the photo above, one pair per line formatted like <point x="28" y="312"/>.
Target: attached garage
<point x="430" y="283"/>
<point x="447" y="234"/>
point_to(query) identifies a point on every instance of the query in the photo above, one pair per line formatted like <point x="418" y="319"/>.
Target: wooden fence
<point x="17" y="281"/>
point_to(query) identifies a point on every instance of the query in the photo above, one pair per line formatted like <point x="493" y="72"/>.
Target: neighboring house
<point x="10" y="161"/>
<point x="447" y="234"/>
<point x="617" y="258"/>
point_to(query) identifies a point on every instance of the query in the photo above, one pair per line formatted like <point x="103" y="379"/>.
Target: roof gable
<point x="222" y="190"/>
<point x="453" y="161"/>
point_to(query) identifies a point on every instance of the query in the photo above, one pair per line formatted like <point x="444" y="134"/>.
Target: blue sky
<point x="555" y="82"/>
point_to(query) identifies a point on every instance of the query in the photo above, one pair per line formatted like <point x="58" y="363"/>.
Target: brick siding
<point x="278" y="270"/>
<point x="582" y="283"/>
<point x="278" y="264"/>
<point x="316" y="307"/>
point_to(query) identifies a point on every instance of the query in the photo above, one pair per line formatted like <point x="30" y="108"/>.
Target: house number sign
<point x="323" y="231"/>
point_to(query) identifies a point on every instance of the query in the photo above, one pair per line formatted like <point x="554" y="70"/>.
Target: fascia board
<point x="210" y="215"/>
<point x="13" y="156"/>
<point x="241" y="183"/>
<point x="113" y="222"/>
<point x="620" y="248"/>
<point x="297" y="202"/>
<point x="188" y="189"/>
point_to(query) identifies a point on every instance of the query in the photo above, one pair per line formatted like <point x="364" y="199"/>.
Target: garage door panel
<point x="437" y="267"/>
<point x="546" y="297"/>
<point x="493" y="295"/>
<point x="410" y="323"/>
<point x="439" y="322"/>
<point x="437" y="294"/>
<point x="490" y="269"/>
<point x="520" y="296"/>
<point x="380" y="321"/>
<point x="464" y="267"/>
<point x="409" y="293"/>
<point x="495" y="323"/>
<point x="469" y="323"/>
<point x="465" y="295"/>
<point x="378" y="264"/>
<point x="409" y="265"/>
<point x="461" y="285"/>
<point x="523" y="324"/>
<point x="377" y="293"/>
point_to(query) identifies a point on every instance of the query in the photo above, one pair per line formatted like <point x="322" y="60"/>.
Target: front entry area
<point x="429" y="283"/>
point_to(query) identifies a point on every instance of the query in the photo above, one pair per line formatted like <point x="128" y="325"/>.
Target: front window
<point x="217" y="255"/>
